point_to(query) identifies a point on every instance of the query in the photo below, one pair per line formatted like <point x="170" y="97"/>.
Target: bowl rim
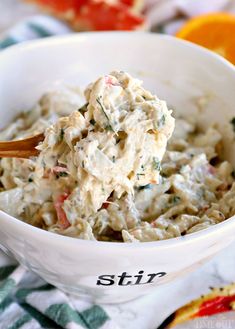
<point x="81" y="37"/>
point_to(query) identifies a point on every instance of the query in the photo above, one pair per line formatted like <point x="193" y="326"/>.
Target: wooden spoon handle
<point x="19" y="154"/>
<point x="24" y="148"/>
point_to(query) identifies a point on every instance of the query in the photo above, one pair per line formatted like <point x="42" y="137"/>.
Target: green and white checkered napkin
<point x="33" y="28"/>
<point x="26" y="301"/>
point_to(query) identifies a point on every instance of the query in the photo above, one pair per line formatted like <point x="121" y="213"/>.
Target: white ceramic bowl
<point x="178" y="72"/>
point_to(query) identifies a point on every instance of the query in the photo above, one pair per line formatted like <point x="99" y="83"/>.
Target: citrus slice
<point x="213" y="31"/>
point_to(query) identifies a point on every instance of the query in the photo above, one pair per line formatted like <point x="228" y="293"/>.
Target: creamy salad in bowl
<point x="117" y="167"/>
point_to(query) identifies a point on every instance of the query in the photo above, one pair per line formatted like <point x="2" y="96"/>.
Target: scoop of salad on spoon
<point x="114" y="143"/>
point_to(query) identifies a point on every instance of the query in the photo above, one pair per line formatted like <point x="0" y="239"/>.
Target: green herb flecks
<point x="63" y="174"/>
<point x="92" y="122"/>
<point x="138" y="175"/>
<point x="156" y="164"/>
<point x="113" y="158"/>
<point x="162" y="121"/>
<point x="176" y="199"/>
<point x="83" y="109"/>
<point x="61" y="137"/>
<point x="233" y="123"/>
<point x="109" y="126"/>
<point x="30" y="180"/>
<point x="145" y="187"/>
<point x="159" y="123"/>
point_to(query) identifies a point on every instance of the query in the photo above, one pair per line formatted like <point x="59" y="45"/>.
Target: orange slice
<point x="214" y="31"/>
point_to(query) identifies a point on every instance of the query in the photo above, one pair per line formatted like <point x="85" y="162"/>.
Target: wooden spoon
<point x="24" y="148"/>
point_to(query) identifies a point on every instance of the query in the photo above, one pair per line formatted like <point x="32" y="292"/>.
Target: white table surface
<point x="148" y="312"/>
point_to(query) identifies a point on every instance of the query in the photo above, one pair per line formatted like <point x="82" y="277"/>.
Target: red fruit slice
<point x="137" y="5"/>
<point x="216" y="305"/>
<point x="97" y="15"/>
<point x="61" y="6"/>
<point x="62" y="218"/>
<point x="100" y="16"/>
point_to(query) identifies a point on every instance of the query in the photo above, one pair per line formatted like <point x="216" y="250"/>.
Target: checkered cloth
<point x="28" y="302"/>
